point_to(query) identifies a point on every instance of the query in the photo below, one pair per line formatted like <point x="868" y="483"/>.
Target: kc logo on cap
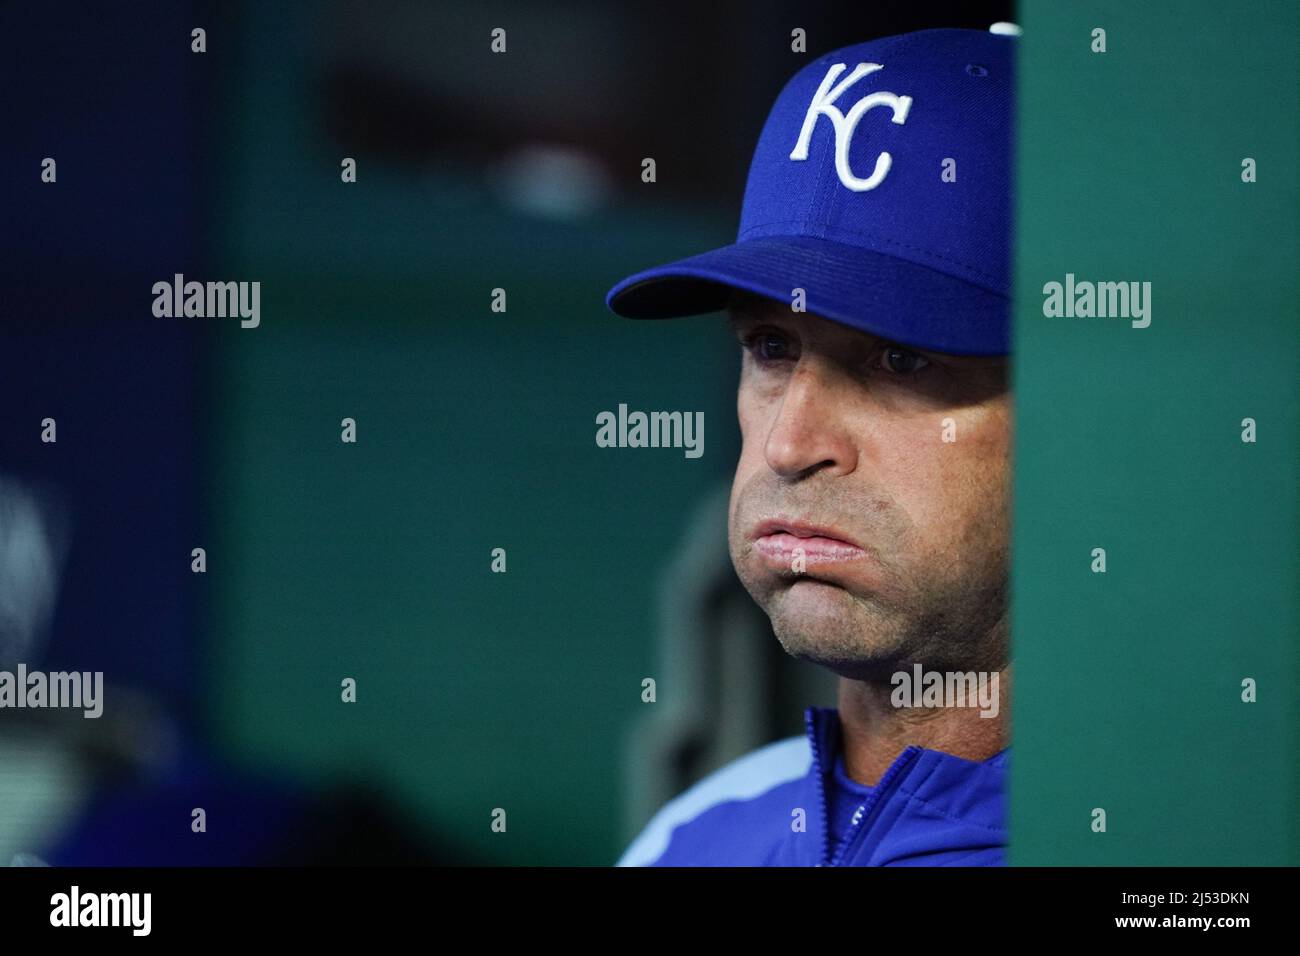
<point x="879" y="196"/>
<point x="823" y="104"/>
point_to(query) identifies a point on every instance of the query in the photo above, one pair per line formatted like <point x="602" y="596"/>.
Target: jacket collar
<point x="920" y="787"/>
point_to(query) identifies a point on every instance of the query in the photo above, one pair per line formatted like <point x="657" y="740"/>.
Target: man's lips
<point x="778" y="541"/>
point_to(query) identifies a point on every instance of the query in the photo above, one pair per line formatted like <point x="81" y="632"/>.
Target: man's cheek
<point x="749" y="431"/>
<point x="940" y="483"/>
<point x="959" y="524"/>
<point x="750" y="465"/>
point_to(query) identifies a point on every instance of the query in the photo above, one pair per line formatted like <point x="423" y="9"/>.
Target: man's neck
<point x="876" y="732"/>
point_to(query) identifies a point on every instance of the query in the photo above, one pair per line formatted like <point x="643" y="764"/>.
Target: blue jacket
<point x="928" y="809"/>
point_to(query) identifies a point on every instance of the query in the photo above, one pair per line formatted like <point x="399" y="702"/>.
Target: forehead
<point x="744" y="308"/>
<point x="742" y="304"/>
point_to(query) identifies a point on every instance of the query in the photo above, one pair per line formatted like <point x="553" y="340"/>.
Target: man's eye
<point x="902" y="361"/>
<point x="769" y="346"/>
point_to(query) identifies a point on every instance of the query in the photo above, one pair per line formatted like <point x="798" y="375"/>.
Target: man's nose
<point x="807" y="434"/>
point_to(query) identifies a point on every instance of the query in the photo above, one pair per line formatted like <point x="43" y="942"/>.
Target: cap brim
<point x="878" y="293"/>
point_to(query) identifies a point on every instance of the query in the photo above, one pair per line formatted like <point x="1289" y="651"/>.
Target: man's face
<point x="903" y="535"/>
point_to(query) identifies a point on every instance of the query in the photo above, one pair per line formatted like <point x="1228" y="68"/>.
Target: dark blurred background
<point x="475" y="428"/>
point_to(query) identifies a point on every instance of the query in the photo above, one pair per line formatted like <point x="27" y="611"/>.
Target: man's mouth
<point x="784" y="542"/>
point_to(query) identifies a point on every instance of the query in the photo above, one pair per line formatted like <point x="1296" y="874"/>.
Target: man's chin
<point x="823" y="624"/>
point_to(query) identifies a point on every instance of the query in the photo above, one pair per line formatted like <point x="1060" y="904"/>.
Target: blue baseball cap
<point x="881" y="186"/>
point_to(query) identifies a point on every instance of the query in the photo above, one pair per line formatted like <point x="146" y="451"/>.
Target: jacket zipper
<point x="888" y="784"/>
<point x="813" y="727"/>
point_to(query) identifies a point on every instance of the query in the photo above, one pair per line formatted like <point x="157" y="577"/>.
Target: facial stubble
<point x="944" y="608"/>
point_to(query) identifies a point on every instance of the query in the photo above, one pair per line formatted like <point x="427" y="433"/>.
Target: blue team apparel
<point x="881" y="186"/>
<point x="928" y="809"/>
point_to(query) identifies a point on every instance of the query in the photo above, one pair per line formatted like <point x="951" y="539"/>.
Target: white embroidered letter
<point x="845" y="124"/>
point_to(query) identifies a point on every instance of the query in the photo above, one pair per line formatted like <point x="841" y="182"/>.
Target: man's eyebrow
<point x="739" y="319"/>
<point x="740" y="309"/>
